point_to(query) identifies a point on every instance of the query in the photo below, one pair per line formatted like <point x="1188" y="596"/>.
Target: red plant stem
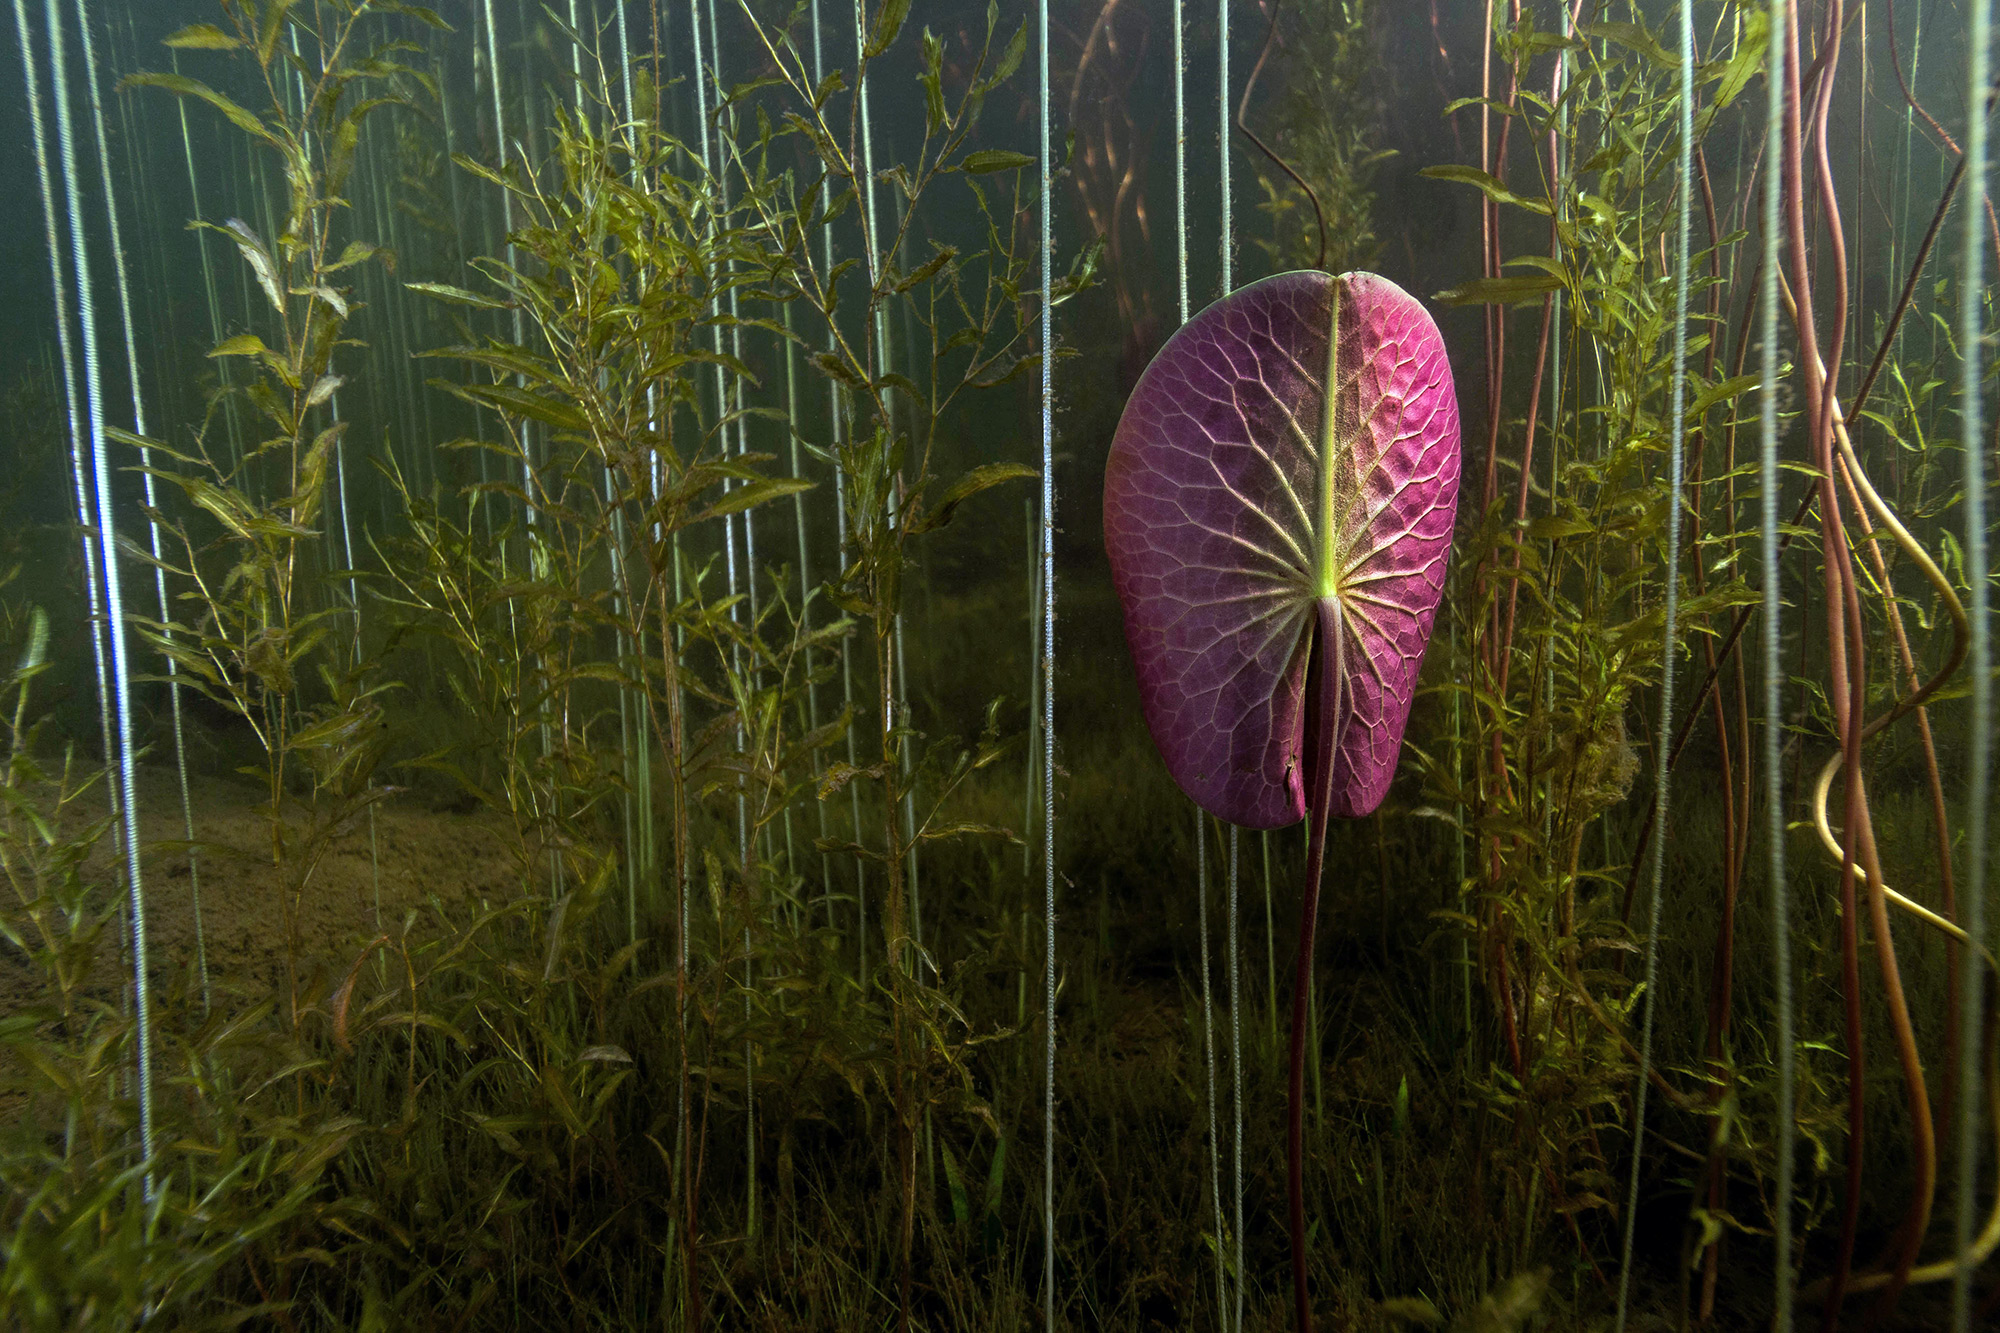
<point x="1727" y="652"/>
<point x="1858" y="841"/>
<point x="1330" y="663"/>
<point x="1847" y="671"/>
<point x="1833" y="546"/>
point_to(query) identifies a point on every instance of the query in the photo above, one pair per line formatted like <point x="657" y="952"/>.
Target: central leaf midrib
<point x="1326" y="577"/>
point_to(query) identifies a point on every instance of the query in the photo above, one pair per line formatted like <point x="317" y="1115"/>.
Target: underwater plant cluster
<point x="681" y="663"/>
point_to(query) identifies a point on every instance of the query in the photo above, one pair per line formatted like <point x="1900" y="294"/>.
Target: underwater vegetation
<point x="580" y="748"/>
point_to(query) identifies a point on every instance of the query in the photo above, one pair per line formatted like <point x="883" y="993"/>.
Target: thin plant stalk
<point x="1228" y="237"/>
<point x="1979" y="759"/>
<point x="720" y="181"/>
<point x="207" y="272"/>
<point x="896" y="692"/>
<point x="1222" y="80"/>
<point x="1270" y="942"/>
<point x="1773" y="604"/>
<point x="1046" y="158"/>
<point x="1208" y="1064"/>
<point x="1236" y="1074"/>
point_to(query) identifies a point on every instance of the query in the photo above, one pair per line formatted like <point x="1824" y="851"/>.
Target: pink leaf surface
<point x="1236" y="503"/>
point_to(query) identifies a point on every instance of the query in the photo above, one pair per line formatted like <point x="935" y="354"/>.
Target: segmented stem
<point x="1668" y="647"/>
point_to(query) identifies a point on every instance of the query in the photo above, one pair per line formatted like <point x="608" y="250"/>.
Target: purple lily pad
<point x="1232" y="547"/>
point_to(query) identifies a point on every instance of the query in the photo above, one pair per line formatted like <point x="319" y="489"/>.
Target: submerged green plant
<point x="262" y="634"/>
<point x="973" y="312"/>
<point x="1324" y="127"/>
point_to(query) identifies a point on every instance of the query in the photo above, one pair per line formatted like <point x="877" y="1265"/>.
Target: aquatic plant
<point x="1591" y="187"/>
<point x="973" y="310"/>
<point x="628" y="467"/>
<point x="1279" y="502"/>
<point x="260" y="627"/>
<point x="1321" y="123"/>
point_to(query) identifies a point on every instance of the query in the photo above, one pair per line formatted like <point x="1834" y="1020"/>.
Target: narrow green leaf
<point x="1748" y="62"/>
<point x="259" y="258"/>
<point x="1718" y="393"/>
<point x="751" y="495"/>
<point x="888" y="24"/>
<point x="967" y="486"/>
<point x="521" y="402"/>
<point x="1635" y="37"/>
<point x="243" y="344"/>
<point x="961" y="1202"/>
<point x="355" y="253"/>
<point x="202" y="37"/>
<point x="272" y="26"/>
<point x="182" y="86"/>
<point x="444" y="291"/>
<point x="995" y="1176"/>
<point x="1500" y="291"/>
<point x="988" y="160"/>
<point x="1487" y="184"/>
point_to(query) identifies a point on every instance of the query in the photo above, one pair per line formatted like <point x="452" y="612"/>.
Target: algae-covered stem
<point x="1048" y="664"/>
<point x="1236" y="1073"/>
<point x="1208" y="1059"/>
<point x="1980" y="758"/>
<point x="1200" y="824"/>
<point x="1773" y="605"/>
<point x="1225" y="244"/>
<point x="107" y="543"/>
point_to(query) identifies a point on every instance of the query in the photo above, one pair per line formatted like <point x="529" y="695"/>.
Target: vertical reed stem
<point x="1669" y="646"/>
<point x="1208" y="1063"/>
<point x="1048" y="174"/>
<point x="1980" y="757"/>
<point x="1236" y="1073"/>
